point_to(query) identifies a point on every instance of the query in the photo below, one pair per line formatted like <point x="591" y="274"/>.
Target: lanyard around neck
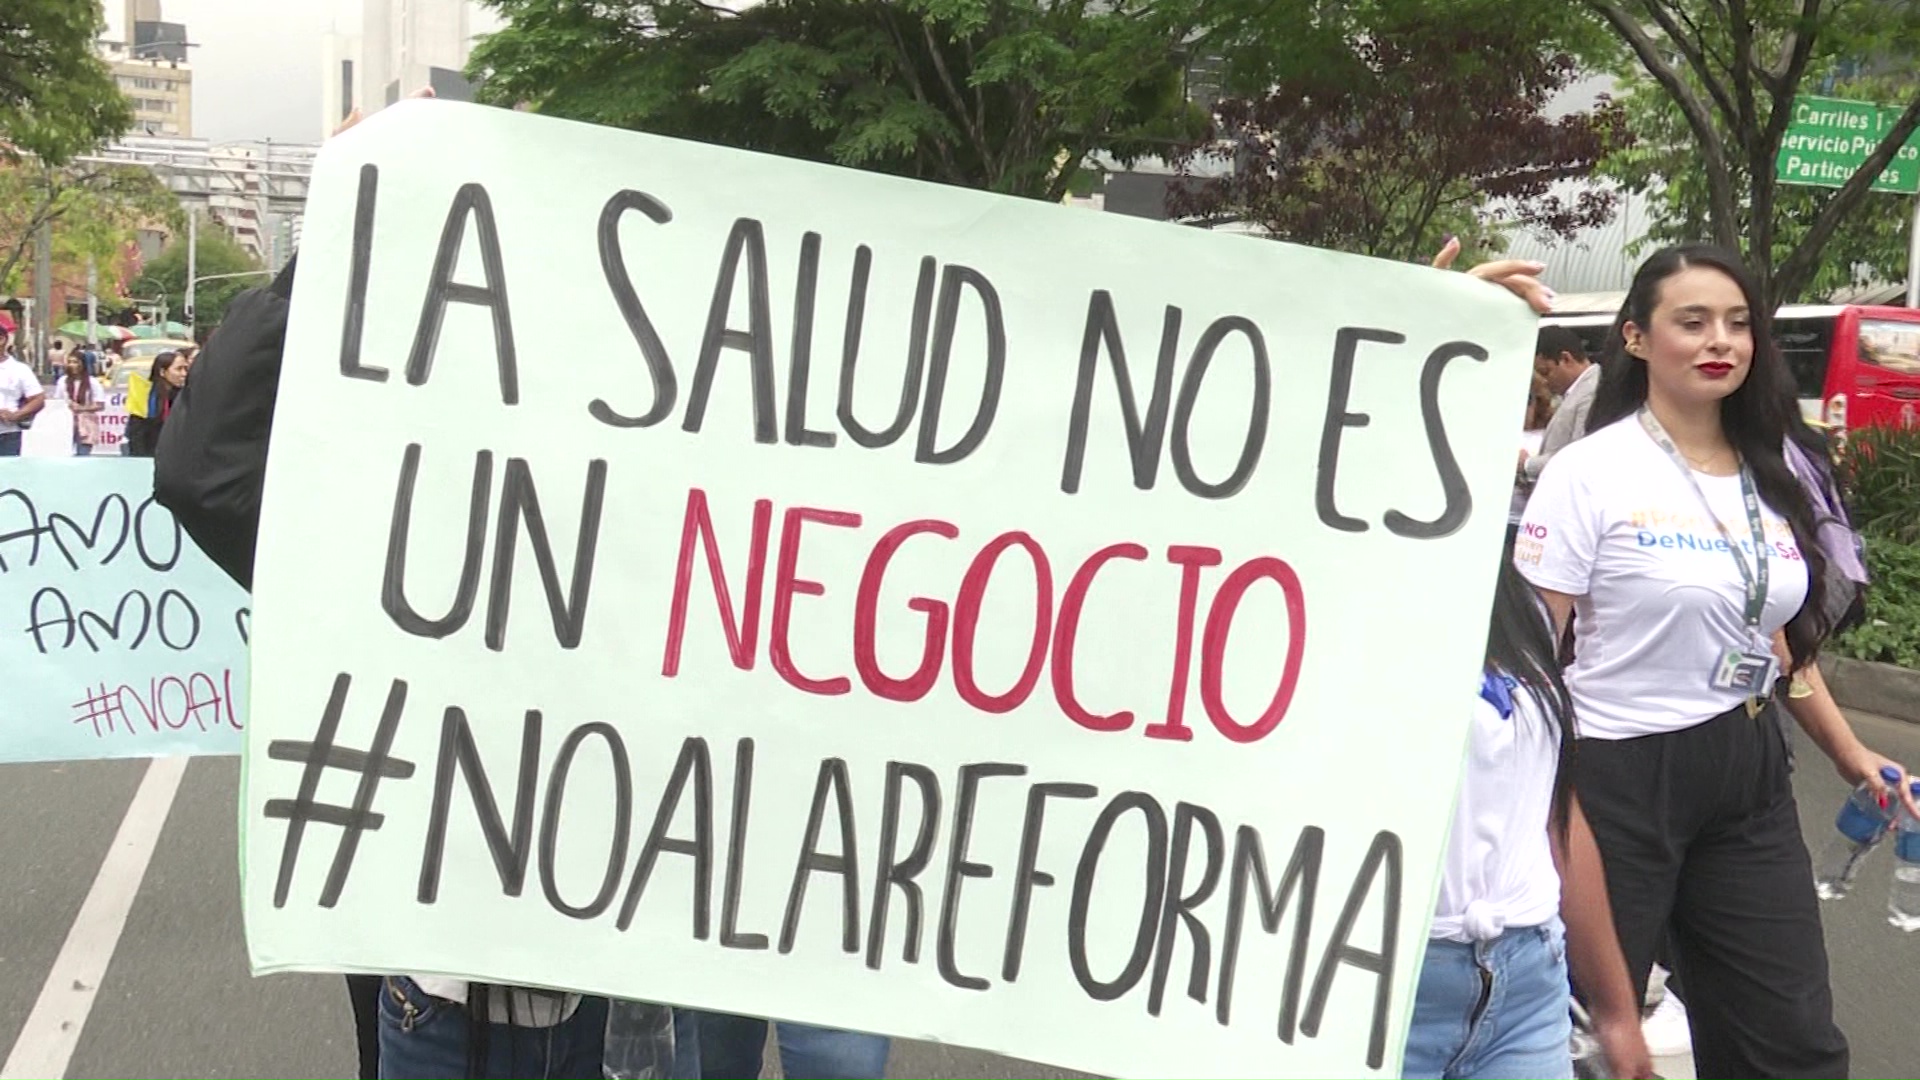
<point x="1754" y="578"/>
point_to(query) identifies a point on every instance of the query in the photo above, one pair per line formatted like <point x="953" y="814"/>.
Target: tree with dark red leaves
<point x="1428" y="126"/>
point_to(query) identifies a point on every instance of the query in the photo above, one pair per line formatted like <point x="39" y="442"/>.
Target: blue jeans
<point x="1497" y="1008"/>
<point x="9" y="444"/>
<point x="722" y="1046"/>
<point x="425" y="1038"/>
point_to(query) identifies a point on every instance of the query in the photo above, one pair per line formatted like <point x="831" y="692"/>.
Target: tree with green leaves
<point x="1008" y="95"/>
<point x="217" y="254"/>
<point x="57" y="98"/>
<point x="1869" y="244"/>
<point x="1731" y="69"/>
<point x="93" y="212"/>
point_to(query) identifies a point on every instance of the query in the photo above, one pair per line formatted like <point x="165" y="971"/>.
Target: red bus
<point x="1855" y="366"/>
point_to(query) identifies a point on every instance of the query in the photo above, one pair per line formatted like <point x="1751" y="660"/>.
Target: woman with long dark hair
<point x="143" y="432"/>
<point x="83" y="395"/>
<point x="1678" y="538"/>
<point x="1522" y="895"/>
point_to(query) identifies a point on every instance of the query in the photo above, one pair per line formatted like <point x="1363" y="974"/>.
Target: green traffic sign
<point x="1829" y="139"/>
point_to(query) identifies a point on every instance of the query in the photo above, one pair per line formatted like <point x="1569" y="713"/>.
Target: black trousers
<point x="1701" y="840"/>
<point x="364" y="992"/>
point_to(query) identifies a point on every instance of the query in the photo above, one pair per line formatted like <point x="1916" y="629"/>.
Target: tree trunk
<point x="30" y="229"/>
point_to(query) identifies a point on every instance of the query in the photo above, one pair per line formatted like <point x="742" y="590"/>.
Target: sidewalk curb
<point x="1890" y="691"/>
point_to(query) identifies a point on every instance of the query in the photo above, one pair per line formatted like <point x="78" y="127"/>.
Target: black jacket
<point x="212" y="457"/>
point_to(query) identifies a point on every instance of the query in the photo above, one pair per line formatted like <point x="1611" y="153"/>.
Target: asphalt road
<point x="177" y="1000"/>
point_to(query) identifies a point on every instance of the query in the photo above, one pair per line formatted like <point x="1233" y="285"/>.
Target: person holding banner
<point x="83" y="394"/>
<point x="1522" y="893"/>
<point x="210" y="450"/>
<point x="1688" y="547"/>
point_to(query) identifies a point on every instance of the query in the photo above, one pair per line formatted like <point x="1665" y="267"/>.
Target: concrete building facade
<point x="151" y="68"/>
<point x="339" y="79"/>
<point x="256" y="190"/>
<point x="409" y="44"/>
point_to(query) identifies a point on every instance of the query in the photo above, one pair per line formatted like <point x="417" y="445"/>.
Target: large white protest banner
<point x="118" y="638"/>
<point x="703" y="577"/>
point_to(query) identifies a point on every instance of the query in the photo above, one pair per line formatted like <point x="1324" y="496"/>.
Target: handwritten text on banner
<point x="703" y="577"/>
<point x="118" y="638"/>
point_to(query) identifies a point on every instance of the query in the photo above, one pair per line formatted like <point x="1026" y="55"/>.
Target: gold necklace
<point x="1703" y="464"/>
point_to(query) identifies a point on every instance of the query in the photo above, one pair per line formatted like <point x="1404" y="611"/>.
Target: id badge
<point x="1746" y="672"/>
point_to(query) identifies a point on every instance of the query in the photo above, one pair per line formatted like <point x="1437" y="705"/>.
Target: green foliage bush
<point x="1881" y="470"/>
<point x="1891" y="632"/>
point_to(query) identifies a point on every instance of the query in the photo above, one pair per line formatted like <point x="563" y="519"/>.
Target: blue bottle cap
<point x="1890" y="774"/>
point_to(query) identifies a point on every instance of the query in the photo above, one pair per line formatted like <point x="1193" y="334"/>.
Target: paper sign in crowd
<point x="118" y="638"/>
<point x="52" y="433"/>
<point x="717" y="579"/>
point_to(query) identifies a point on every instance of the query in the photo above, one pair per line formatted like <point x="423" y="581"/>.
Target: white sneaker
<point x="1666" y="1029"/>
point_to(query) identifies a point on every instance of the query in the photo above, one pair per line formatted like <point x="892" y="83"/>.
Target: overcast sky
<point x="256" y="72"/>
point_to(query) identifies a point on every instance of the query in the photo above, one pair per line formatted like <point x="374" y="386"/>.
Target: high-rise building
<point x="409" y="44"/>
<point x="339" y="80"/>
<point x="150" y="37"/>
<point x="256" y="190"/>
<point x="150" y="67"/>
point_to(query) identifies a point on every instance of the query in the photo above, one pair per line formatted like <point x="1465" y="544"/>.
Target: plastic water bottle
<point x="1589" y="1060"/>
<point x="639" y="1041"/>
<point x="1903" y="901"/>
<point x="1863" y="822"/>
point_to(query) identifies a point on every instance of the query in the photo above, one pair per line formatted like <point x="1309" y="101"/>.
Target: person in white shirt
<point x="1532" y="435"/>
<point x="1522" y="893"/>
<point x="21" y="395"/>
<point x="1680" y="536"/>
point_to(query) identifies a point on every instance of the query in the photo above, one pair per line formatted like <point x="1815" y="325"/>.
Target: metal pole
<point x="43" y="294"/>
<point x="1913" y="258"/>
<point x="193" y="251"/>
<point x="93" y="300"/>
<point x="261" y="207"/>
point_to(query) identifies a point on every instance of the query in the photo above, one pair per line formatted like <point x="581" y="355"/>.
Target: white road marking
<point x="52" y="1030"/>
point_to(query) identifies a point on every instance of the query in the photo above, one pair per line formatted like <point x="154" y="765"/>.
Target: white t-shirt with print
<point x="17" y="385"/>
<point x="1497" y="873"/>
<point x="1614" y="523"/>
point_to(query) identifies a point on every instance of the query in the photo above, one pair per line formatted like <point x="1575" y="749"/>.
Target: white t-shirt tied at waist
<point x="1498" y="870"/>
<point x="1658" y="597"/>
<point x="517" y="1005"/>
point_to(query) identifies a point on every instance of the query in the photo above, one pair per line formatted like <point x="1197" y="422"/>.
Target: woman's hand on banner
<point x="1517" y="276"/>
<point x="356" y="115"/>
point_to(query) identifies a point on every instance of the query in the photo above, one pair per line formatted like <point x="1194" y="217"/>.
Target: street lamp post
<point x="193" y="282"/>
<point x="159" y="296"/>
<point x="193" y="253"/>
